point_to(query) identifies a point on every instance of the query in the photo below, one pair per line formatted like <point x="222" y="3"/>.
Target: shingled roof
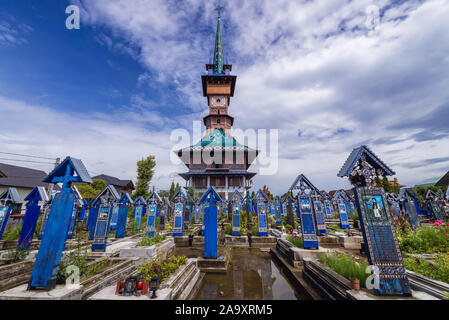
<point x="444" y="181"/>
<point x="115" y="181"/>
<point x="21" y="177"/>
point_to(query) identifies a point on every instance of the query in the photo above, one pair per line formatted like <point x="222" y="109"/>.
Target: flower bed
<point x="149" y="241"/>
<point x="346" y="267"/>
<point x="161" y="268"/>
<point x="296" y="240"/>
<point x="426" y="239"/>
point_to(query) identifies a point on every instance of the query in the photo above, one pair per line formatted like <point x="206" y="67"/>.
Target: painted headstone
<point x="8" y="199"/>
<point x="236" y="202"/>
<point x="114" y="216"/>
<point x="82" y="215"/>
<point x="37" y="195"/>
<point x="381" y="244"/>
<point x="210" y="222"/>
<point x="123" y="205"/>
<point x="49" y="255"/>
<point x="47" y="207"/>
<point x="343" y="214"/>
<point x="139" y="211"/>
<point x="261" y="210"/>
<point x="94" y="205"/>
<point x="318" y="209"/>
<point x="408" y="201"/>
<point x="197" y="212"/>
<point x="107" y="197"/>
<point x="78" y="204"/>
<point x="328" y="209"/>
<point x="179" y="199"/>
<point x="153" y="203"/>
<point x="278" y="210"/>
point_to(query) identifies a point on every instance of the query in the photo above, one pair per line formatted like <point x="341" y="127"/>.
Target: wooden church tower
<point x="228" y="160"/>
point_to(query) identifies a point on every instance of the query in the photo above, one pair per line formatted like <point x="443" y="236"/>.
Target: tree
<point x="191" y="191"/>
<point x="378" y="181"/>
<point x="99" y="184"/>
<point x="90" y="191"/>
<point x="395" y="187"/>
<point x="145" y="171"/>
<point x="172" y="190"/>
<point x="164" y="193"/>
<point x="386" y="185"/>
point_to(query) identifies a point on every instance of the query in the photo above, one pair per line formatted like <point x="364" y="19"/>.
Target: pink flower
<point x="444" y="232"/>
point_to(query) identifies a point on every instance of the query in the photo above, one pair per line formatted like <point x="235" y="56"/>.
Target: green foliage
<point x="37" y="229"/>
<point x="420" y="192"/>
<point x="439" y="270"/>
<point x="161" y="268"/>
<point x="228" y="229"/>
<point x="149" y="241"/>
<point x="191" y="191"/>
<point x="336" y="215"/>
<point x="132" y="227"/>
<point x="255" y="230"/>
<point x="95" y="268"/>
<point x="386" y="185"/>
<point x="395" y="187"/>
<point x="164" y="193"/>
<point x="90" y="191"/>
<point x="296" y="241"/>
<point x="243" y="223"/>
<point x="17" y="255"/>
<point x="425" y="239"/>
<point x="78" y="258"/>
<point x="145" y="171"/>
<point x="446" y="295"/>
<point x="346" y="266"/>
<point x="12" y="234"/>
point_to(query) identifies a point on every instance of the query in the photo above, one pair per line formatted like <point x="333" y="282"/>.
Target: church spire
<point x="218" y="52"/>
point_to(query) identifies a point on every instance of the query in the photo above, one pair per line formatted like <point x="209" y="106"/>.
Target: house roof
<point x="444" y="181"/>
<point x="218" y="140"/>
<point x="115" y="181"/>
<point x="21" y="177"/>
<point x="428" y="182"/>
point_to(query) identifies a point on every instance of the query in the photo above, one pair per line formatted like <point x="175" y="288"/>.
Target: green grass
<point x="149" y="241"/>
<point x="346" y="267"/>
<point x="439" y="270"/>
<point x="296" y="241"/>
<point x="427" y="239"/>
<point x="161" y="268"/>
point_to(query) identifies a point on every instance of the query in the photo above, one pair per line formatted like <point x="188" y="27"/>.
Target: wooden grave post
<point x="210" y="222"/>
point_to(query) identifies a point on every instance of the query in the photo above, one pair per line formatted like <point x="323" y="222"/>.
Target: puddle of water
<point x="251" y="275"/>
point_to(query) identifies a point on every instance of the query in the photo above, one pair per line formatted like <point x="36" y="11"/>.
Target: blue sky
<point x="113" y="91"/>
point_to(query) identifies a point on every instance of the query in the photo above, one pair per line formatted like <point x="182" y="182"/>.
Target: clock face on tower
<point x="218" y="101"/>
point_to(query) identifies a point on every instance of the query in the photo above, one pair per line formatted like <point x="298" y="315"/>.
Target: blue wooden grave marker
<point x="139" y="211"/>
<point x="153" y="203"/>
<point x="179" y="199"/>
<point x="107" y="197"/>
<point x="433" y="206"/>
<point x="78" y="204"/>
<point x="50" y="251"/>
<point x="123" y="205"/>
<point x="8" y="199"/>
<point x="210" y="222"/>
<point x="261" y="210"/>
<point x="278" y="210"/>
<point x="343" y="214"/>
<point x="318" y="209"/>
<point x="82" y="215"/>
<point x="197" y="211"/>
<point x="47" y="207"/>
<point x="362" y="166"/>
<point x="236" y="202"/>
<point x="329" y="209"/>
<point x="308" y="228"/>
<point x="114" y="216"/>
<point x="37" y="195"/>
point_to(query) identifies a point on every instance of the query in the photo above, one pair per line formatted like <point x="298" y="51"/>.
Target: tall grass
<point x="346" y="267"/>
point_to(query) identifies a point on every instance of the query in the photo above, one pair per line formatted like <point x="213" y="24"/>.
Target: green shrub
<point x="255" y="230"/>
<point x="346" y="267"/>
<point x="76" y="258"/>
<point x="149" y="241"/>
<point x="12" y="234"/>
<point x="439" y="270"/>
<point x="17" y="255"/>
<point x="95" y="268"/>
<point x="161" y="268"/>
<point x="426" y="239"/>
<point x="296" y="241"/>
<point x="228" y="229"/>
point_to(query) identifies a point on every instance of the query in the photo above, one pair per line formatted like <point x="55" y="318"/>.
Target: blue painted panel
<point x="277" y="214"/>
<point x="72" y="223"/>
<point x="177" y="224"/>
<point x="329" y="209"/>
<point x="308" y="229"/>
<point x="92" y="220"/>
<point x="235" y="220"/>
<point x="28" y="226"/>
<point x="380" y="240"/>
<point x="138" y="215"/>
<point x="44" y="222"/>
<point x="102" y="228"/>
<point x="50" y="250"/>
<point x="319" y="217"/>
<point x="344" y="222"/>
<point x="121" y="221"/>
<point x="114" y="217"/>
<point x="151" y="222"/>
<point x="4" y="216"/>
<point x="210" y="233"/>
<point x="262" y="220"/>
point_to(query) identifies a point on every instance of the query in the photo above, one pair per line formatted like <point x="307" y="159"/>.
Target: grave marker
<point x="278" y="210"/>
<point x="153" y="203"/>
<point x="37" y="195"/>
<point x="78" y="204"/>
<point x="139" y="211"/>
<point x="236" y="202"/>
<point x="123" y="205"/>
<point x="318" y="209"/>
<point x="8" y="199"/>
<point x="179" y="198"/>
<point x="210" y="222"/>
<point x="381" y="244"/>
<point x="261" y="210"/>
<point x="49" y="255"/>
<point x="107" y="197"/>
